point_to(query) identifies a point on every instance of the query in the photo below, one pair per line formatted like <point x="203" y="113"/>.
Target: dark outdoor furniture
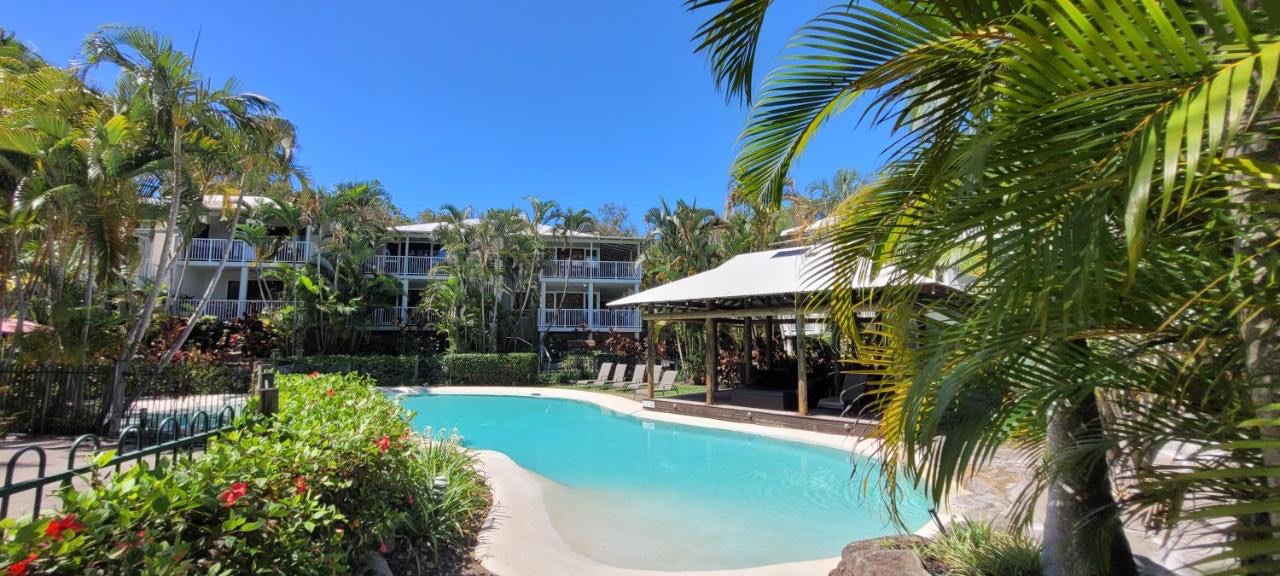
<point x="764" y="399"/>
<point x="852" y="387"/>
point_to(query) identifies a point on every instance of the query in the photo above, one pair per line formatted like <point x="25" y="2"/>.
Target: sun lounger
<point x="619" y="381"/>
<point x="603" y="376"/>
<point x="666" y="384"/>
<point x="639" y="382"/>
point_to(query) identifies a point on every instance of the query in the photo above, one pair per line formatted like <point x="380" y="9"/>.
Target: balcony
<point x="397" y="316"/>
<point x="421" y="266"/>
<point x="567" y="319"/>
<point x="211" y="250"/>
<point x="225" y="310"/>
<point x="592" y="270"/>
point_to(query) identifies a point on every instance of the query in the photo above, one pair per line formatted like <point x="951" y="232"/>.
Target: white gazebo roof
<point x="783" y="272"/>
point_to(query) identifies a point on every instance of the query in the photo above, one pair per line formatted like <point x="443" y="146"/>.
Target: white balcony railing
<point x="396" y="316"/>
<point x="592" y="269"/>
<point x="224" y="309"/>
<point x="403" y="265"/>
<point x="212" y="249"/>
<point x="571" y="318"/>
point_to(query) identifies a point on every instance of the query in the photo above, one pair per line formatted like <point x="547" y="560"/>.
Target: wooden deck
<point x="693" y="405"/>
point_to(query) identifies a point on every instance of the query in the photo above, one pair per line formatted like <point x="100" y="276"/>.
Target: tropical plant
<point x="335" y="477"/>
<point x="1100" y="172"/>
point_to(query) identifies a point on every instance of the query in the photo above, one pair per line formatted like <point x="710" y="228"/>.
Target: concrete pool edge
<point x="862" y="446"/>
<point x="520" y="537"/>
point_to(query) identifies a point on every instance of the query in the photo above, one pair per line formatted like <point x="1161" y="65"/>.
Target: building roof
<point x="431" y="227"/>
<point x="768" y="275"/>
<point x="215" y="201"/>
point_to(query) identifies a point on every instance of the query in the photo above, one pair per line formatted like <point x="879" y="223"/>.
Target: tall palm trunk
<point x="208" y="290"/>
<point x="138" y="331"/>
<point x="1082" y="525"/>
<point x="89" y="280"/>
<point x="1259" y="323"/>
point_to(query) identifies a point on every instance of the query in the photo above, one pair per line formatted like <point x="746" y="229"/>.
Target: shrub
<point x="334" y="477"/>
<point x="578" y="366"/>
<point x="979" y="549"/>
<point x="387" y="370"/>
<point x="516" y="369"/>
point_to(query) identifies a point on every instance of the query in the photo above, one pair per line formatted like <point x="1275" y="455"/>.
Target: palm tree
<point x="164" y="88"/>
<point x="256" y="153"/>
<point x="1099" y="170"/>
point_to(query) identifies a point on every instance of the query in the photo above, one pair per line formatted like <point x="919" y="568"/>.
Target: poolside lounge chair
<point x="852" y="386"/>
<point x="666" y="384"/>
<point x="638" y="380"/>
<point x="602" y="377"/>
<point x="619" y="381"/>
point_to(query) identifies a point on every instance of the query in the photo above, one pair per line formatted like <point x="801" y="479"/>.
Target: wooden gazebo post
<point x="802" y="372"/>
<point x="651" y="355"/>
<point x="768" y="342"/>
<point x="711" y="352"/>
<point x="748" y="335"/>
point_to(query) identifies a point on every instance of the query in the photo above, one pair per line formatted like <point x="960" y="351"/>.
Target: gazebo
<point x="780" y="286"/>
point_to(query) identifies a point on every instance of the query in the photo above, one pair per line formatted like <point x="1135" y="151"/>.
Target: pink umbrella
<point x="10" y="326"/>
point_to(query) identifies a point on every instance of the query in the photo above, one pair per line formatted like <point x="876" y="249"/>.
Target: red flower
<point x="59" y="525"/>
<point x="300" y="484"/>
<point x="19" y="568"/>
<point x="314" y="374"/>
<point x="409" y="498"/>
<point x="330" y="393"/>
<point x="382" y="548"/>
<point x="383" y="443"/>
<point x="233" y="494"/>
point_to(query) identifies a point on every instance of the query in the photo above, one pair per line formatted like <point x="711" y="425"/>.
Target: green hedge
<point x="516" y="369"/>
<point x="335" y="477"/>
<point x="387" y="370"/>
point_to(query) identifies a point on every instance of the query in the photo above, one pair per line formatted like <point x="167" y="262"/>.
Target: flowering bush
<point x="336" y="476"/>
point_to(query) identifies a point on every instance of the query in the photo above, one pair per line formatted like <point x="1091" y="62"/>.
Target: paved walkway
<point x="57" y="450"/>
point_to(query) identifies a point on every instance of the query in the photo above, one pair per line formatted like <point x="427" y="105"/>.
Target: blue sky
<point x="479" y="102"/>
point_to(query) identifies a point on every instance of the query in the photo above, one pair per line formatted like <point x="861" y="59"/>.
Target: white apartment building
<point x="583" y="273"/>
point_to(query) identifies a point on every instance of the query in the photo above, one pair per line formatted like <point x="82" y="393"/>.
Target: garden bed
<point x="334" y="481"/>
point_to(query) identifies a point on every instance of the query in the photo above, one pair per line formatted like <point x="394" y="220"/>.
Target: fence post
<point x="264" y="387"/>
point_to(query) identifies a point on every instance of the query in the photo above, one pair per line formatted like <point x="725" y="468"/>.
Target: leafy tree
<point x="1100" y="173"/>
<point x="614" y="219"/>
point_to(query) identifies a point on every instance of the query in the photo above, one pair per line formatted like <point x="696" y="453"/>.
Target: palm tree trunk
<point x="1259" y="323"/>
<point x="1083" y="534"/>
<point x="90" y="278"/>
<point x="208" y="290"/>
<point x="138" y="331"/>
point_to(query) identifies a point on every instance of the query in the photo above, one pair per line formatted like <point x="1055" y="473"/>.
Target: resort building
<point x="582" y="274"/>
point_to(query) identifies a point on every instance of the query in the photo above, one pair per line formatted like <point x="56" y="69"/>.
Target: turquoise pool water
<point x="638" y="494"/>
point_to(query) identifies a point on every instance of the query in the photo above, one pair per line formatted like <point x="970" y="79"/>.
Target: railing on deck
<point x="225" y="310"/>
<point x="211" y="250"/>
<point x="561" y="318"/>
<point x="592" y="269"/>
<point x="397" y="316"/>
<point x="403" y="265"/>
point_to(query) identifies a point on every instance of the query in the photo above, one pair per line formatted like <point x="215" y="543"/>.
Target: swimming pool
<point x="638" y="494"/>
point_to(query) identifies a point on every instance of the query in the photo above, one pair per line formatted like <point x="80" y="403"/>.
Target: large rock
<point x="881" y="557"/>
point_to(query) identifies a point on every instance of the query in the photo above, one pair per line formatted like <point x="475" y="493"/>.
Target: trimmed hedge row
<point x="387" y="370"/>
<point x="516" y="369"/>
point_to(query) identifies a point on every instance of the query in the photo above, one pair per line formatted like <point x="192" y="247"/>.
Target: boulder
<point x="890" y="556"/>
